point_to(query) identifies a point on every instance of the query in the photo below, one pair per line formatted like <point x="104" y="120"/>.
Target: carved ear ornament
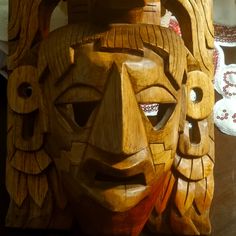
<point x="23" y="90"/>
<point x="28" y="163"/>
<point x="25" y="100"/>
<point x="200" y="97"/>
<point x="194" y="137"/>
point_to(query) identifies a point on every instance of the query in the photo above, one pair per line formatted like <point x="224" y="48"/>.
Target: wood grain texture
<point x="124" y="106"/>
<point x="32" y="204"/>
<point x="194" y="139"/>
<point x="28" y="24"/>
<point x="81" y="118"/>
<point x="202" y="99"/>
<point x="115" y="80"/>
<point x="194" y="161"/>
<point x="195" y="19"/>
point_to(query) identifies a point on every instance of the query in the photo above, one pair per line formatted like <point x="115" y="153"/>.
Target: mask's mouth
<point x="138" y="179"/>
<point x="117" y="187"/>
<point x="132" y="170"/>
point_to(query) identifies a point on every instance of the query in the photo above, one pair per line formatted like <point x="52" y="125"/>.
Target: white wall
<point x="3" y="19"/>
<point x="59" y="16"/>
<point x="225" y="12"/>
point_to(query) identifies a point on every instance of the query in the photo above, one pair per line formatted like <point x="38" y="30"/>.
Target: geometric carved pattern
<point x="79" y="134"/>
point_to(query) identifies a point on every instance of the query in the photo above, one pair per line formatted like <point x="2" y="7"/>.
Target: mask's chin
<point x="97" y="218"/>
<point x="116" y="194"/>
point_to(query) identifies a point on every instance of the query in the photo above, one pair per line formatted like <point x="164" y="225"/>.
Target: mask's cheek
<point x="162" y="158"/>
<point x="168" y="133"/>
<point x="163" y="142"/>
<point x="70" y="160"/>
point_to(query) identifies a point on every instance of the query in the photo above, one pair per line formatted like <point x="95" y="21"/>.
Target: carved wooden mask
<point x="118" y="120"/>
<point x="105" y="108"/>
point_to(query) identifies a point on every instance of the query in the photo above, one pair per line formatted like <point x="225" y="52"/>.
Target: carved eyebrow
<point x="79" y="93"/>
<point x="146" y="74"/>
<point x="82" y="74"/>
<point x="155" y="95"/>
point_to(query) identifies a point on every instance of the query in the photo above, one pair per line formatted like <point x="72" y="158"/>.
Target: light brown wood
<point x="195" y="19"/>
<point x="110" y="151"/>
<point x="194" y="162"/>
<point x="195" y="140"/>
<point x="200" y="96"/>
<point x="113" y="119"/>
<point x="28" y="24"/>
<point x="119" y="101"/>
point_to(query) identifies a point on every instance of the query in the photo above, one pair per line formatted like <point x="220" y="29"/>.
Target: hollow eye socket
<point x="151" y="111"/>
<point x="77" y="104"/>
<point x="158" y="113"/>
<point x="77" y="114"/>
<point x="82" y="112"/>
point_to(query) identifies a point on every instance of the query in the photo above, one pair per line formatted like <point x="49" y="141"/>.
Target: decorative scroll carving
<point x="195" y="19"/>
<point x="28" y="24"/>
<point x="114" y="120"/>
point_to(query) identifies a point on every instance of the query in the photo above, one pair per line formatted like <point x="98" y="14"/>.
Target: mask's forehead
<point x="92" y="68"/>
<point x="123" y="38"/>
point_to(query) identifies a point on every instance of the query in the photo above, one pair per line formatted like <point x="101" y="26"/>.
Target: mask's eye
<point x="158" y="113"/>
<point x="157" y="104"/>
<point x="82" y="112"/>
<point x="77" y="104"/>
<point x="151" y="112"/>
<point x="77" y="114"/>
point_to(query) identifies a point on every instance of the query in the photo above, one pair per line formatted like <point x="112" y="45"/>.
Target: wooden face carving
<point x="98" y="112"/>
<point x="115" y="117"/>
<point x="111" y="115"/>
<point x="120" y="112"/>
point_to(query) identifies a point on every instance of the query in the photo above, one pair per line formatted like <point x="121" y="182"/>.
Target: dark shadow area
<point x="230" y="55"/>
<point x="223" y="212"/>
<point x="3" y="135"/>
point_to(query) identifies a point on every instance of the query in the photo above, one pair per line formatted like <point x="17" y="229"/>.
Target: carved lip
<point x="118" y="189"/>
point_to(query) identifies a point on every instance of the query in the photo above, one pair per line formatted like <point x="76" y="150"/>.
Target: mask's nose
<point x="118" y="127"/>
